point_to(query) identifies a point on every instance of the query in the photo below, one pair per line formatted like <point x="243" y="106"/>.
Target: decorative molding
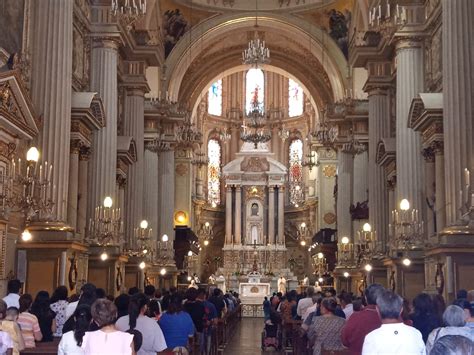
<point x="255" y="164"/>
<point x="329" y="171"/>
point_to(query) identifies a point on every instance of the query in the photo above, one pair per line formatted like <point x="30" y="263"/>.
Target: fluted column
<point x="458" y="100"/>
<point x="51" y="78"/>
<point x="440" y="197"/>
<point x="271" y="215"/>
<point x="228" y="215"/>
<point x="150" y="191"/>
<point x="344" y="194"/>
<point x="379" y="122"/>
<point x="281" y="215"/>
<point x="104" y="154"/>
<point x="410" y="82"/>
<point x="82" y="191"/>
<point x="238" y="215"/>
<point x="167" y="187"/>
<point x="73" y="185"/>
<point x="134" y="127"/>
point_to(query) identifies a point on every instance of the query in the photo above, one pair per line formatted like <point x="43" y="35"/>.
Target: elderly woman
<point x="452" y="345"/>
<point x="325" y="331"/>
<point x="454" y="319"/>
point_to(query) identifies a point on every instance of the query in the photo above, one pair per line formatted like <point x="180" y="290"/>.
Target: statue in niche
<point x="254" y="209"/>
<point x="254" y="235"/>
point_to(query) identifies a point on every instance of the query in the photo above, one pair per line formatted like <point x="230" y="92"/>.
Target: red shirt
<point x="358" y="326"/>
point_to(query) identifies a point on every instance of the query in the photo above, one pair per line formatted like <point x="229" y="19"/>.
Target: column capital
<point x="392" y="183"/>
<point x="121" y="181"/>
<point x="428" y="154"/>
<point x="75" y="146"/>
<point x="438" y="147"/>
<point x="228" y="188"/>
<point x="85" y="153"/>
<point x="408" y="42"/>
<point x="106" y="41"/>
<point x="271" y="188"/>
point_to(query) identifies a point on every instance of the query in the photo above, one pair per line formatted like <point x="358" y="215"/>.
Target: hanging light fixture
<point x="406" y="228"/>
<point x="107" y="226"/>
<point x="257" y="53"/>
<point x="254" y="130"/>
<point x="128" y="10"/>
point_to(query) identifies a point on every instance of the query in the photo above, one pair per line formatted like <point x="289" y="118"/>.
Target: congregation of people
<point x="92" y="322"/>
<point x="379" y="322"/>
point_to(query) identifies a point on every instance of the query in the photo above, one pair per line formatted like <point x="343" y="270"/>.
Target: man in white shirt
<point x="346" y="304"/>
<point x="393" y="337"/>
<point x="305" y="303"/>
<point x="13" y="296"/>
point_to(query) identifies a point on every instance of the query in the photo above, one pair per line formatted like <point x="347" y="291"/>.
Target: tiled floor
<point x="247" y="338"/>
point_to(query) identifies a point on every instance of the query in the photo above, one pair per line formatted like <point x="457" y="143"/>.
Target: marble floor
<point x="247" y="338"/>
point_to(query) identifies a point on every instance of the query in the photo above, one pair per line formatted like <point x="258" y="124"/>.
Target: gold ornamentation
<point x="329" y="218"/>
<point x="329" y="171"/>
<point x="181" y="169"/>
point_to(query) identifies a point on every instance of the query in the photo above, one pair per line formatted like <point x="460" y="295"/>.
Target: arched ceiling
<point x="305" y="52"/>
<point x="263" y="5"/>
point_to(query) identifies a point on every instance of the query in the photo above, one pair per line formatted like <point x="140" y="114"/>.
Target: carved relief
<point x="329" y="218"/>
<point x="255" y="164"/>
<point x="181" y="169"/>
<point x="329" y="171"/>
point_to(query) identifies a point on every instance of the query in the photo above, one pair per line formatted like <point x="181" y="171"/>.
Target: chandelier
<point x="311" y="160"/>
<point x="27" y="187"/>
<point x="187" y="134"/>
<point x="320" y="265"/>
<point x="257" y="53"/>
<point x="345" y="253"/>
<point x="365" y="244"/>
<point x="200" y="159"/>
<point x="325" y="133"/>
<point x="206" y="233"/>
<point x="302" y="233"/>
<point x="283" y="133"/>
<point x="406" y="228"/>
<point x="354" y="147"/>
<point x="107" y="226"/>
<point x="164" y="253"/>
<point x="143" y="237"/>
<point x="224" y="136"/>
<point x="254" y="127"/>
<point x="128" y="10"/>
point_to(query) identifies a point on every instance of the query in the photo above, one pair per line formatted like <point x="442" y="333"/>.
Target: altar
<point x="252" y="293"/>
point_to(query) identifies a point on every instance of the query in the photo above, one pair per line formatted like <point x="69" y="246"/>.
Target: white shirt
<point x="68" y="345"/>
<point x="153" y="338"/>
<point x="12" y="300"/>
<point x="396" y="338"/>
<point x="348" y="310"/>
<point x="308" y="311"/>
<point x="70" y="309"/>
<point x="304" y="304"/>
<point x="6" y="342"/>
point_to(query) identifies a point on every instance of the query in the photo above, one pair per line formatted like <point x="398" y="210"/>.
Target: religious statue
<point x="317" y="288"/>
<point x="193" y="284"/>
<point x="254" y="209"/>
<point x="221" y="283"/>
<point x="282" y="285"/>
<point x="196" y="278"/>
<point x="211" y="280"/>
<point x="305" y="281"/>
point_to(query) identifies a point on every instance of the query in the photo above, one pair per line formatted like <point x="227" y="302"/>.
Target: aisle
<point x="247" y="338"/>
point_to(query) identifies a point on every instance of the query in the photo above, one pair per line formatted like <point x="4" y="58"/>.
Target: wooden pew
<point x="49" y="348"/>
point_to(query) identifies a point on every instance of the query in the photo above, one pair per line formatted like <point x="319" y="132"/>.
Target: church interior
<point x="259" y="146"/>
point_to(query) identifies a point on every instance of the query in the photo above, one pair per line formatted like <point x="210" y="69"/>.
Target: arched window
<point x="214" y="99"/>
<point x="254" y="89"/>
<point x="295" y="99"/>
<point x="214" y="172"/>
<point x="295" y="171"/>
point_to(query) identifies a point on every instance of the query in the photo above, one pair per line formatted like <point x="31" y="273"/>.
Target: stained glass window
<point x="295" y="99"/>
<point x="295" y="171"/>
<point x="254" y="90"/>
<point x="214" y="172"/>
<point x="214" y="103"/>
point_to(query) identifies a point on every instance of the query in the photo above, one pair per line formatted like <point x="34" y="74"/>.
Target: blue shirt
<point x="212" y="310"/>
<point x="176" y="328"/>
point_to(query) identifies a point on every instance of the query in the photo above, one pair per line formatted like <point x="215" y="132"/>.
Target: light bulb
<point x="296" y="205"/>
<point x="108" y="202"/>
<point x="367" y="227"/>
<point x="303" y="243"/>
<point x="189" y="278"/>
<point x="406" y="262"/>
<point x="190" y="253"/>
<point x="144" y="224"/>
<point x="104" y="256"/>
<point x="404" y="205"/>
<point x="346" y="274"/>
<point x="163" y="271"/>
<point x="32" y="154"/>
<point x="26" y="235"/>
<point x="309" y="249"/>
<point x="206" y="243"/>
<point x="320" y="280"/>
<point x="142" y="265"/>
<point x="164" y="238"/>
<point x="303" y="225"/>
<point x="145" y="251"/>
<point x="214" y="205"/>
<point x="207" y="224"/>
<point x="368" y="268"/>
<point x="320" y="255"/>
<point x="345" y="240"/>
<point x="297" y="188"/>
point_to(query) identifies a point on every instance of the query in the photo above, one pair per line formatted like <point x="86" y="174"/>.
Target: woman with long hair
<point x="71" y="341"/>
<point x="28" y="322"/>
<point x="153" y="340"/>
<point x="424" y="317"/>
<point x="58" y="305"/>
<point x="46" y="317"/>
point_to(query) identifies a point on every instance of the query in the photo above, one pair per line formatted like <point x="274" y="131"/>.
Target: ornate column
<point x="82" y="189"/>
<point x="458" y="100"/>
<point x="150" y="189"/>
<point x="410" y="82"/>
<point x="104" y="61"/>
<point x="51" y="80"/>
<point x="167" y="187"/>
<point x="228" y="215"/>
<point x="377" y="88"/>
<point x="440" y="196"/>
<point x="429" y="158"/>
<point x="73" y="184"/>
<point x="238" y="215"/>
<point x="281" y="215"/>
<point x="344" y="194"/>
<point x="136" y="86"/>
<point x="271" y="214"/>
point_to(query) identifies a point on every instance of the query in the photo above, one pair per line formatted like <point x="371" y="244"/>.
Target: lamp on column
<point x="311" y="160"/>
<point x="406" y="228"/>
<point x="320" y="265"/>
<point x="302" y="233"/>
<point x="206" y="233"/>
<point x="345" y="253"/>
<point x="365" y="243"/>
<point x="144" y="245"/>
<point x="163" y="251"/>
<point x="107" y="226"/>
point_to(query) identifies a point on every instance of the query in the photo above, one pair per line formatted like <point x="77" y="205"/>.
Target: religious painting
<point x="254" y="90"/>
<point x="295" y="171"/>
<point x="214" y="98"/>
<point x="295" y="99"/>
<point x="214" y="172"/>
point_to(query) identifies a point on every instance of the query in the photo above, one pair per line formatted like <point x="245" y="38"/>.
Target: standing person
<point x="305" y="303"/>
<point x="12" y="299"/>
<point x="217" y="300"/>
<point x="176" y="324"/>
<point x="362" y="323"/>
<point x="58" y="305"/>
<point x="346" y="304"/>
<point x="153" y="339"/>
<point x="28" y="322"/>
<point x="12" y="329"/>
<point x="87" y="296"/>
<point x="266" y="308"/>
<point x="197" y="311"/>
<point x="393" y="336"/>
<point x="424" y="316"/>
<point x="46" y="317"/>
<point x="108" y="339"/>
<point x="71" y="341"/>
<point x="121" y="302"/>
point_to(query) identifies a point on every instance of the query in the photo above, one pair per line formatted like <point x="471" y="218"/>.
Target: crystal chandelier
<point x="187" y="134"/>
<point x="283" y="133"/>
<point x="302" y="233"/>
<point x="325" y="133"/>
<point x="128" y="10"/>
<point x="206" y="233"/>
<point x="224" y="136"/>
<point x="257" y="53"/>
<point x="27" y="187"/>
<point x="345" y="253"/>
<point x="365" y="244"/>
<point x="320" y="265"/>
<point x="354" y="147"/>
<point x="143" y="237"/>
<point x="200" y="159"/>
<point x="311" y="160"/>
<point x="254" y="128"/>
<point x="164" y="252"/>
<point x="107" y="226"/>
<point x="406" y="229"/>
